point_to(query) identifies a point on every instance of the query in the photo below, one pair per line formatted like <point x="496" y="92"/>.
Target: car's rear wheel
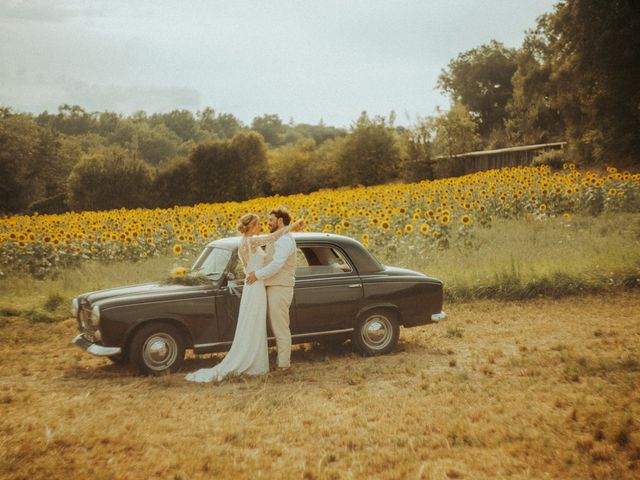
<point x="157" y="348"/>
<point x="377" y="332"/>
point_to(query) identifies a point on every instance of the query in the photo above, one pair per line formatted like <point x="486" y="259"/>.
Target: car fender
<point x="380" y="305"/>
<point x="171" y="319"/>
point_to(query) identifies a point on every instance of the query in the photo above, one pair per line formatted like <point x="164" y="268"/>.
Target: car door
<point x="328" y="290"/>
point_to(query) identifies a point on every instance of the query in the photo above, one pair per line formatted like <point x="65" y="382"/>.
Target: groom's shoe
<point x="282" y="371"/>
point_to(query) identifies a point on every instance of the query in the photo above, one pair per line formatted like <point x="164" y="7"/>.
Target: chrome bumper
<point x="95" y="349"/>
<point x="438" y="317"/>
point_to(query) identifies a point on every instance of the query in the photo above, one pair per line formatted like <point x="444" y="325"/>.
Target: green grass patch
<point x="528" y="258"/>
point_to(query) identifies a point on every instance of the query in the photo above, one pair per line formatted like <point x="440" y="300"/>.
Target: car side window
<point x="321" y="260"/>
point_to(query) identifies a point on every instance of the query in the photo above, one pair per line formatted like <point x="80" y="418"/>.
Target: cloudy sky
<point x="305" y="60"/>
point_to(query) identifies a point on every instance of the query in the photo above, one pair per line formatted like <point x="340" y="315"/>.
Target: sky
<point x="305" y="60"/>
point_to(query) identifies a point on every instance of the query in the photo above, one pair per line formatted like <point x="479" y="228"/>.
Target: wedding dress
<point x="248" y="354"/>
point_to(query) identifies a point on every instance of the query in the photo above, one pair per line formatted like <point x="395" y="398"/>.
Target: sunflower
<point x="179" y="272"/>
<point x="177" y="249"/>
<point x="543" y="207"/>
<point x="466" y="219"/>
<point x="385" y="225"/>
<point x="566" y="215"/>
<point x="424" y="228"/>
<point x="408" y="228"/>
<point x="445" y="219"/>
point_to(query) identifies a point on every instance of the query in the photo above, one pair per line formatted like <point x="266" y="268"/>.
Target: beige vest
<point x="285" y="277"/>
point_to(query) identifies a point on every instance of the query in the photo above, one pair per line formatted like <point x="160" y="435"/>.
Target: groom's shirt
<point x="281" y="269"/>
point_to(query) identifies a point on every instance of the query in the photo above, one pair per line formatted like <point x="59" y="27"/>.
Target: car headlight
<point x="75" y="306"/>
<point x="95" y="315"/>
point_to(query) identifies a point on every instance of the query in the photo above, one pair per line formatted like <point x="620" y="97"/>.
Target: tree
<point x="74" y="120"/>
<point x="251" y="165"/>
<point x="109" y="179"/>
<point x="181" y="122"/>
<point x="225" y="170"/>
<point x="221" y="125"/>
<point x="369" y="154"/>
<point x="480" y="79"/>
<point x="173" y="184"/>
<point x="319" y="133"/>
<point x="270" y="127"/>
<point x="596" y="66"/>
<point x="533" y="113"/>
<point x="18" y="141"/>
<point x="454" y="132"/>
<point x="157" y="144"/>
<point x="417" y="148"/>
<point x="34" y="162"/>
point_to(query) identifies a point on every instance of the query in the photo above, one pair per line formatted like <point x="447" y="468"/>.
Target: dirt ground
<point x="536" y="389"/>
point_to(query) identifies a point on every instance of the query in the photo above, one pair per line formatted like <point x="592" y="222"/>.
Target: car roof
<point x="365" y="262"/>
<point x="298" y="236"/>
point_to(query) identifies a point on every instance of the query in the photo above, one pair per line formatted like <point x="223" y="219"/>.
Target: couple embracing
<point x="270" y="278"/>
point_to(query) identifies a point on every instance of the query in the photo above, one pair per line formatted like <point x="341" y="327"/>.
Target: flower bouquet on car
<point x="183" y="276"/>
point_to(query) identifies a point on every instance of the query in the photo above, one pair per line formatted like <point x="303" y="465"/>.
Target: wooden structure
<point x="471" y="162"/>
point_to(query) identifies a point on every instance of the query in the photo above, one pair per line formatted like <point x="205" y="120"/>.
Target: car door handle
<point x="355" y="285"/>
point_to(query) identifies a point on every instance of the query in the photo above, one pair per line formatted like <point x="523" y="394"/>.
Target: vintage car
<point x="341" y="292"/>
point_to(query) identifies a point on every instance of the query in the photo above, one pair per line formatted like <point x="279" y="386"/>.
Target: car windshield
<point x="212" y="262"/>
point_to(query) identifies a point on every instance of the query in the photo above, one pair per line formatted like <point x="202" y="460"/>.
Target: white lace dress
<point x="248" y="354"/>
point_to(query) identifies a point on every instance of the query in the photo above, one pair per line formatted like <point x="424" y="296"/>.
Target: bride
<point x="248" y="354"/>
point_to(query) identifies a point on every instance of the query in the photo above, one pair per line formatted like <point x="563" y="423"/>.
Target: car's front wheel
<point x="157" y="348"/>
<point x="376" y="333"/>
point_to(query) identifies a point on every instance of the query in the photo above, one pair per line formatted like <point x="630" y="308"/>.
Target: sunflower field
<point x="387" y="218"/>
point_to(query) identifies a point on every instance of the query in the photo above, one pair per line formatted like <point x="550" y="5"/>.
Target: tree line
<point x="574" y="79"/>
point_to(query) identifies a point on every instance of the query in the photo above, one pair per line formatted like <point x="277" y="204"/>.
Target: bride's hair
<point x="246" y="221"/>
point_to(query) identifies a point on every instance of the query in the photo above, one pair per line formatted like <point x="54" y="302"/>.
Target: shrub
<point x="553" y="158"/>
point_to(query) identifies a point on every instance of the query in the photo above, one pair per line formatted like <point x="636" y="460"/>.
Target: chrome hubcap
<point x="377" y="332"/>
<point x="160" y="351"/>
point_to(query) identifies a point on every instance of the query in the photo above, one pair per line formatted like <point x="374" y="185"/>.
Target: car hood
<point x="143" y="292"/>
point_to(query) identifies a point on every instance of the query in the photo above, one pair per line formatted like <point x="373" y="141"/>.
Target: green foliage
<point x="596" y="67"/>
<point x="480" y="79"/>
<point x="34" y="162"/>
<point x="369" y="154"/>
<point x="301" y="168"/>
<point x="54" y="204"/>
<point x="221" y="125"/>
<point x="172" y="184"/>
<point x="70" y="120"/>
<point x="319" y="133"/>
<point x="454" y="132"/>
<point x="109" y="179"/>
<point x="157" y="144"/>
<point x="181" y="122"/>
<point x="533" y="114"/>
<point x="417" y="154"/>
<point x="554" y="158"/>
<point x="270" y="127"/>
<point x="234" y="169"/>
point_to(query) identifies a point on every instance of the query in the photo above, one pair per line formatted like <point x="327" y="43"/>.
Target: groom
<point x="279" y="278"/>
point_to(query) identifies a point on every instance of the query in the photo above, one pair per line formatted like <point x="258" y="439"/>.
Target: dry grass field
<point x="535" y="389"/>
